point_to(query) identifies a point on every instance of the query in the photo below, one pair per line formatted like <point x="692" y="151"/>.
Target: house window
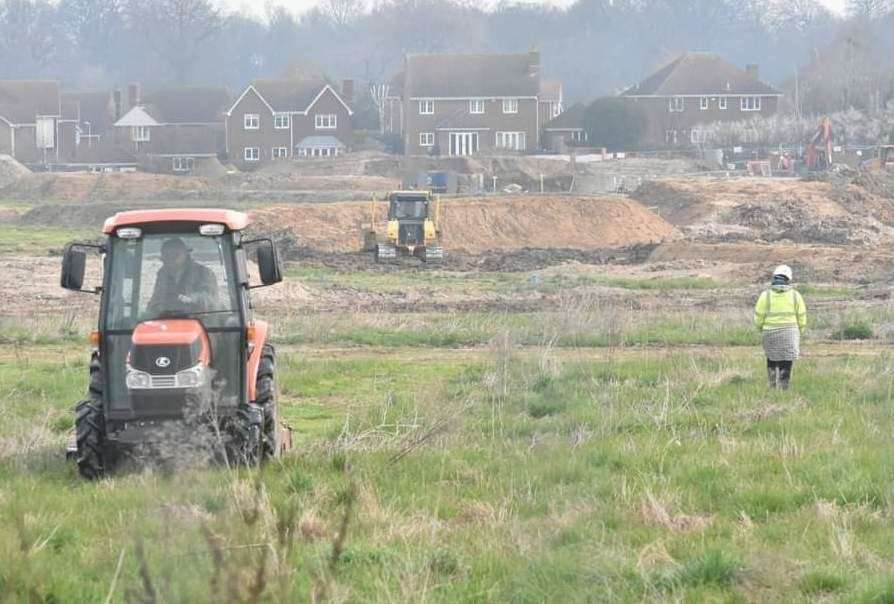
<point x="182" y="164"/>
<point x="750" y="103"/>
<point x="697" y="136"/>
<point x="721" y="103"/>
<point x="280" y="153"/>
<point x="703" y="103"/>
<point x="579" y="136"/>
<point x="510" y="105"/>
<point x="555" y="109"/>
<point x="670" y="137"/>
<point x="675" y="104"/>
<point x="281" y="121"/>
<point x="251" y="121"/>
<point x="325" y="121"/>
<point x="426" y="107"/>
<point x="426" y="139"/>
<point x="140" y="134"/>
<point x="512" y="141"/>
<point x="251" y="154"/>
<point x="476" y="106"/>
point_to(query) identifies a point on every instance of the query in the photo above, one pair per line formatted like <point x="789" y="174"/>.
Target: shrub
<point x="854" y="330"/>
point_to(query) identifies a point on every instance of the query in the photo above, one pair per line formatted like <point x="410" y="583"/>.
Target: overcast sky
<point x="300" y="6"/>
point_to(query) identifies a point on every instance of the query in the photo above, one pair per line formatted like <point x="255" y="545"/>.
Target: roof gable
<point x="699" y="73"/>
<point x="289" y="95"/>
<point x="331" y="90"/>
<point x="23" y="100"/>
<point x="137" y="116"/>
<point x="472" y="75"/>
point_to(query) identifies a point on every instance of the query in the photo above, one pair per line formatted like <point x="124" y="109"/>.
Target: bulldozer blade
<point x="386" y="252"/>
<point x="434" y="254"/>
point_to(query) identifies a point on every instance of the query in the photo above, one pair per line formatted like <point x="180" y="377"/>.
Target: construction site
<point x="576" y="371"/>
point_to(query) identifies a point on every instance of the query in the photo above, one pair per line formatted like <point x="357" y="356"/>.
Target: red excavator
<point x="818" y="154"/>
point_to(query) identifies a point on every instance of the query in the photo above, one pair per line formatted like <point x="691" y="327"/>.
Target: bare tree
<point x="342" y="13"/>
<point x="175" y="30"/>
<point x="871" y="9"/>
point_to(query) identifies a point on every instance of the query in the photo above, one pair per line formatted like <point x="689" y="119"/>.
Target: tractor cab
<point x="176" y="329"/>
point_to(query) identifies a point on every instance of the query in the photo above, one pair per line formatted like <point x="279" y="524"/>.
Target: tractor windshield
<point x="409" y="210"/>
<point x="165" y="275"/>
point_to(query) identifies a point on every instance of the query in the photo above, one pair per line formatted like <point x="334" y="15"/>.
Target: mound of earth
<point x="11" y="170"/>
<point x="718" y="210"/>
<point x="476" y="226"/>
<point x="114" y="186"/>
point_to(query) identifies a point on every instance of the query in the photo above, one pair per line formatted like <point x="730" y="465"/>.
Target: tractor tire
<point x="90" y="433"/>
<point x="265" y="397"/>
<point x="245" y="435"/>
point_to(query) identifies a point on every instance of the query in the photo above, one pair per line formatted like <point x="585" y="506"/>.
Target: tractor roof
<point x="234" y="221"/>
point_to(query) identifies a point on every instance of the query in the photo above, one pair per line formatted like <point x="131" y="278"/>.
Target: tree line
<point x="595" y="47"/>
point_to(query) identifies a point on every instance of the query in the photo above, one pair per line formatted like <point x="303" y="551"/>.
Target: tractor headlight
<point x="192" y="377"/>
<point x="137" y="380"/>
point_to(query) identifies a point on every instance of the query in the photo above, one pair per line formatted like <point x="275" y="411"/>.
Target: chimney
<point x="133" y="95"/>
<point x="347" y="91"/>
<point x="533" y="62"/>
<point x="116" y="96"/>
<point x="753" y="71"/>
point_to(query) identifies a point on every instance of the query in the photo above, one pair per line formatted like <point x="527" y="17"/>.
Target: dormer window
<point x="675" y="104"/>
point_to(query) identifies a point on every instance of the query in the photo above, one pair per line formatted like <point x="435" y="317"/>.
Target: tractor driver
<point x="182" y="284"/>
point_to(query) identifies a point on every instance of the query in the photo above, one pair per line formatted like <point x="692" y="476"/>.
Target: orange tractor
<point x="177" y="342"/>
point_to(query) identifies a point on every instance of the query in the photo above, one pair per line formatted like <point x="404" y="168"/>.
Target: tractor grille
<point x="411" y="234"/>
<point x="164" y="381"/>
<point x="179" y="358"/>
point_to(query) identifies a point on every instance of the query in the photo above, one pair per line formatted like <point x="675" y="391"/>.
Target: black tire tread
<point x="90" y="434"/>
<point x="265" y="397"/>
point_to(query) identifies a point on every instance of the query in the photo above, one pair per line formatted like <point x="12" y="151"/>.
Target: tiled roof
<point x="472" y="75"/>
<point x="22" y="100"/>
<point x="700" y="73"/>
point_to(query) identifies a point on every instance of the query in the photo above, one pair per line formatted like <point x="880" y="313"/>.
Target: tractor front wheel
<point x="90" y="434"/>
<point x="245" y="435"/>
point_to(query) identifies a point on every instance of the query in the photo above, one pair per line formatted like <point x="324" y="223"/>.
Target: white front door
<point x="463" y="143"/>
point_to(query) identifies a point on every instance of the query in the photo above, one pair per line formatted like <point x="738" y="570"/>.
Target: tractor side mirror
<point x="269" y="266"/>
<point x="74" y="264"/>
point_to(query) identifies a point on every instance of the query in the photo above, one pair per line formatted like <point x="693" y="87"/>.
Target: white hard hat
<point x="783" y="269"/>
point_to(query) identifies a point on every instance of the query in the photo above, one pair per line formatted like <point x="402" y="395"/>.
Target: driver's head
<point x="174" y="253"/>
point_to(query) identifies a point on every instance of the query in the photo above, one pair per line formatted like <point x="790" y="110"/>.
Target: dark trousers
<point x="784" y="373"/>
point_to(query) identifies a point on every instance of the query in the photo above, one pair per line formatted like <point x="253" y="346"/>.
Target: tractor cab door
<point x="163" y="278"/>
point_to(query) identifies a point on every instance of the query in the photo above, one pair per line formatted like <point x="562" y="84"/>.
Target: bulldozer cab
<point x="409" y="207"/>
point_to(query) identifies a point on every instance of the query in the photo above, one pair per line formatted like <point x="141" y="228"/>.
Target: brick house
<point x="282" y="119"/>
<point x="695" y="89"/>
<point x="170" y="130"/>
<point x="465" y="104"/>
<point x="566" y="130"/>
<point x="32" y="128"/>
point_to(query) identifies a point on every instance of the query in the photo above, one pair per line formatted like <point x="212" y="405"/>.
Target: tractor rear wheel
<point x="265" y="397"/>
<point x="90" y="434"/>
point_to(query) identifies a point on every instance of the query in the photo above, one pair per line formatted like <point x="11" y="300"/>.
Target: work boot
<point x="784" y="376"/>
<point x="772" y="374"/>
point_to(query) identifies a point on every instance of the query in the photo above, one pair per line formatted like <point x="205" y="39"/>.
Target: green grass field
<point x="499" y="473"/>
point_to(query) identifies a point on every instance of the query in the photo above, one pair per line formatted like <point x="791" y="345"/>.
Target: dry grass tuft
<point x="655" y="511"/>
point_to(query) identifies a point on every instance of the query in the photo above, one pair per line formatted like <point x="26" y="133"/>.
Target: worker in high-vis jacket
<point x="780" y="314"/>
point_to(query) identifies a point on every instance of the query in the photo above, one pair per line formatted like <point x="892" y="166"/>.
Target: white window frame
<point x="670" y="137"/>
<point x="279" y="153"/>
<point x="579" y="136"/>
<point x="325" y="121"/>
<point x="141" y="134"/>
<point x="426" y="107"/>
<point x="251" y="121"/>
<point x="282" y="121"/>
<point x="510" y="105"/>
<point x="476" y="106"/>
<point x="703" y="103"/>
<point x="696" y="136"/>
<point x="251" y="153"/>
<point x="721" y="103"/>
<point x="555" y="109"/>
<point x="182" y="164"/>
<point x="676" y="104"/>
<point x="511" y="141"/>
<point x="750" y="103"/>
<point x="426" y="139"/>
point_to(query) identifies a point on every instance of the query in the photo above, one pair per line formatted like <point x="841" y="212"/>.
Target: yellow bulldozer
<point x="412" y="228"/>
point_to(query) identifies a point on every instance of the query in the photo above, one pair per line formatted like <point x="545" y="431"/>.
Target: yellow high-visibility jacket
<point x="775" y="309"/>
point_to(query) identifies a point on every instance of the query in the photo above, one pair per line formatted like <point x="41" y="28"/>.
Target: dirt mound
<point x="772" y="210"/>
<point x="86" y="186"/>
<point x="479" y="226"/>
<point x="11" y="170"/>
